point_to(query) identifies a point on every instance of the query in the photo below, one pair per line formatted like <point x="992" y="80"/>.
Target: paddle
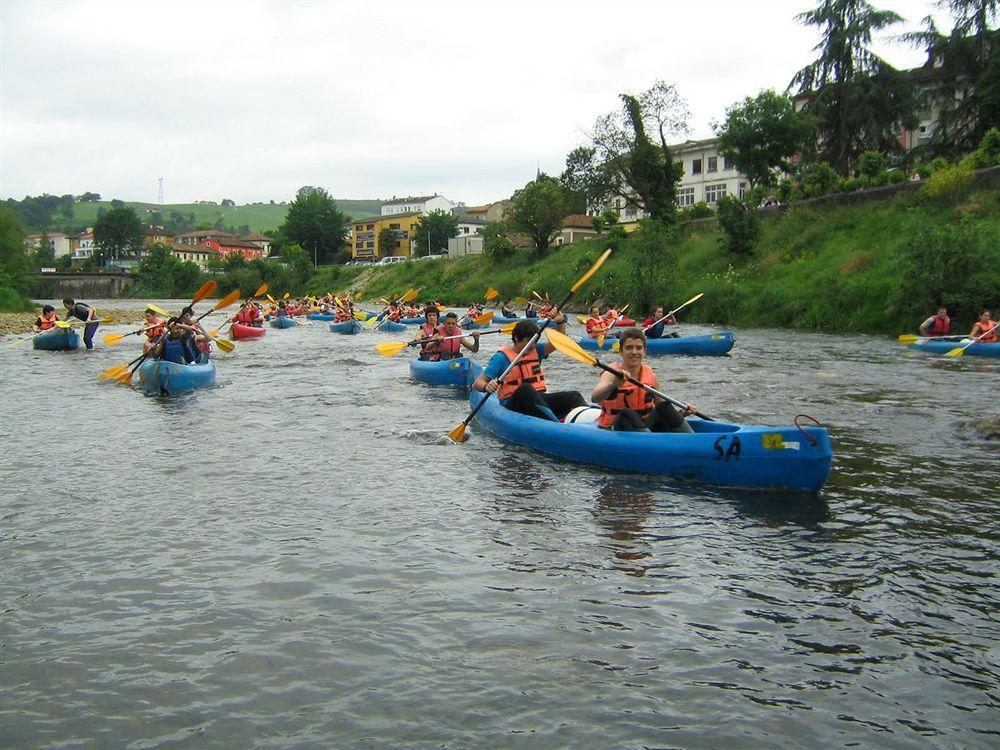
<point x="392" y="348"/>
<point x="484" y="320"/>
<point x="59" y="324"/>
<point x="113" y="372"/>
<point x="110" y="339"/>
<point x="602" y="334"/>
<point x="695" y="298"/>
<point x="491" y="293"/>
<point x="910" y="338"/>
<point x="571" y="349"/>
<point x="408" y="297"/>
<point x="229" y="299"/>
<point x="959" y="351"/>
<point x="458" y="434"/>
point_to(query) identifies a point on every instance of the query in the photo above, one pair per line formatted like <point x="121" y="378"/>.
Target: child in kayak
<point x="656" y="331"/>
<point x="938" y="324"/>
<point x="178" y="345"/>
<point x="625" y="406"/>
<point x="46" y="320"/>
<point x="596" y="323"/>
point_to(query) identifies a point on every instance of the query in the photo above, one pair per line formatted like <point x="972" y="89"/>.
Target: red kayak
<point x="294" y="311"/>
<point x="240" y="331"/>
<point x="626" y="322"/>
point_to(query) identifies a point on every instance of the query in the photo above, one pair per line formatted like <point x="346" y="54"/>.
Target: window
<point x="696" y="166"/>
<point x="714" y="192"/>
<point x="685" y="197"/>
<point x="726" y="164"/>
<point x="743" y="190"/>
<point x="394" y="226"/>
<point x="713" y="164"/>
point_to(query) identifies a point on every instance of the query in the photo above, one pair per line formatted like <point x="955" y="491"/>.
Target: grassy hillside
<point x="259" y="216"/>
<point x="875" y="267"/>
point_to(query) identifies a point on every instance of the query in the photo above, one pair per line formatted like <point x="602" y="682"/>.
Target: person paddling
<point x="46" y="320"/>
<point x="654" y="325"/>
<point x="938" y="324"/>
<point x="524" y="389"/>
<point x="249" y="315"/>
<point x="627" y="408"/>
<point x="596" y="323"/>
<point x="200" y="338"/>
<point x="450" y="347"/>
<point x="430" y="329"/>
<point x="82" y="311"/>
<point x="507" y="309"/>
<point x="176" y="346"/>
<point x="985" y="329"/>
<point x="154" y="329"/>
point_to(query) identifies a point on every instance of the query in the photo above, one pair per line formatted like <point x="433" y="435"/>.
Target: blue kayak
<point x="414" y="321"/>
<point x="504" y="320"/>
<point x="936" y="346"/>
<point x="282" y="323"/>
<point x="733" y="455"/>
<point x="57" y="339"/>
<point x="320" y="316"/>
<point x="460" y="372"/>
<point x="347" y="326"/>
<point x="160" y="376"/>
<point x="391" y="326"/>
<point x="712" y="344"/>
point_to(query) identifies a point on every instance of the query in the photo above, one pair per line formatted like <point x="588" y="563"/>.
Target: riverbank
<point x="21" y="322"/>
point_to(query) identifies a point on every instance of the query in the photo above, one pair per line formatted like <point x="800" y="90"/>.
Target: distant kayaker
<point x="656" y="331"/>
<point x="524" y="389"/>
<point x="986" y="328"/>
<point x="249" y="315"/>
<point x="153" y="329"/>
<point x="628" y="408"/>
<point x="46" y="320"/>
<point x="82" y="311"/>
<point x="507" y="309"/>
<point x="282" y="309"/>
<point x="596" y="323"/>
<point x="938" y="324"/>
<point x="450" y="348"/>
<point x="529" y="310"/>
<point x="430" y="329"/>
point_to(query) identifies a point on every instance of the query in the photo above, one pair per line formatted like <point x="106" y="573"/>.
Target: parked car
<point x="390" y="259"/>
<point x="432" y="256"/>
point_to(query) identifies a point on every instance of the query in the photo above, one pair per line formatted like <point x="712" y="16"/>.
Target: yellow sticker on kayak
<point x="773" y="441"/>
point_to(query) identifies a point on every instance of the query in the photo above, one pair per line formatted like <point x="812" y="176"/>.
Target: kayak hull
<point x="709" y="345"/>
<point x="282" y="323"/>
<point x="321" y="316"/>
<point x="504" y="320"/>
<point x="731" y="455"/>
<point x="391" y="326"/>
<point x="460" y="372"/>
<point x="57" y="340"/>
<point x="943" y="347"/>
<point x="349" y="327"/>
<point x="240" y="331"/>
<point x="161" y="377"/>
<point x="414" y="321"/>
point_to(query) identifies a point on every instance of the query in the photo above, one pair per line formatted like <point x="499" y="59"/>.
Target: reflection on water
<point x="296" y="559"/>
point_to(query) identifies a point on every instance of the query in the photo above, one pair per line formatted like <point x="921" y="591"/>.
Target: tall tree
<point x="314" y="222"/>
<point x="432" y="232"/>
<point x="632" y="145"/>
<point x="860" y="101"/>
<point x="539" y="209"/>
<point x="586" y="181"/>
<point x="761" y="133"/>
<point x="118" y="234"/>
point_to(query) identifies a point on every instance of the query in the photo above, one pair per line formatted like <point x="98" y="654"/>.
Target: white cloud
<point x="252" y="100"/>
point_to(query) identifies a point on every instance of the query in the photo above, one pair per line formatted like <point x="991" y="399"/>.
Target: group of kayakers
<point x="79" y="310"/>
<point x="443" y="341"/>
<point x="984" y="330"/>
<point x="608" y="323"/>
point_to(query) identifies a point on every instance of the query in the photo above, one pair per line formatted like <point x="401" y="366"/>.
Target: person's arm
<point x="606" y="386"/>
<point x="924" y="326"/>
<point x="494" y="369"/>
<point x="560" y="323"/>
<point x="474" y="347"/>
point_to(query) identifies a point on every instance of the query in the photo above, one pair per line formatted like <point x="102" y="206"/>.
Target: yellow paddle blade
<point x="508" y="328"/>
<point x="390" y="348"/>
<point x="540" y="297"/>
<point x="62" y="324"/>
<point x="617" y="346"/>
<point x="383" y="299"/>
<point x="286" y="295"/>
<point x="113" y="338"/>
<point x="908" y="338"/>
<point x="113" y="372"/>
<point x="593" y="269"/>
<point x="442" y="308"/>
<point x="485" y="319"/>
<point x="233" y="296"/>
<point x="581" y="320"/>
<point x="225" y="344"/>
<point x="206" y="290"/>
<point x="957" y="352"/>
<point x="271" y="299"/>
<point x="491" y="293"/>
<point x="568" y="346"/>
<point x="125" y="378"/>
<point x="262" y="289"/>
<point x="360" y="316"/>
<point x="695" y="298"/>
<point x="458" y="434"/>
<point x="158" y="310"/>
<point x="411" y="295"/>
<point x="600" y="339"/>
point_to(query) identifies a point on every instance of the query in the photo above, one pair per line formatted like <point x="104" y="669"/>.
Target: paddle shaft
<point x="985" y="333"/>
<point x="417" y="342"/>
<point x="661" y="394"/>
<point x="665" y="317"/>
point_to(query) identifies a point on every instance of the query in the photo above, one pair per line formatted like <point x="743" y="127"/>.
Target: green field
<point x="260" y="217"/>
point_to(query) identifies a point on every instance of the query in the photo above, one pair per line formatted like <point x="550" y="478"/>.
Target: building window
<point x="726" y="164"/>
<point x="713" y="164"/>
<point x="714" y="192"/>
<point x="394" y="226"/>
<point x="743" y="190"/>
<point x="696" y="166"/>
<point x="685" y="197"/>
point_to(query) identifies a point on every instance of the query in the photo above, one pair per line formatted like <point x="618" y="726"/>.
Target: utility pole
<point x="315" y="263"/>
<point x="428" y="241"/>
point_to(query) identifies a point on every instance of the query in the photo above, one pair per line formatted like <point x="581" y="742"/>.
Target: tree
<point x="642" y="172"/>
<point x="314" y="221"/>
<point x="117" y="234"/>
<point x="760" y="133"/>
<point x="861" y="103"/>
<point x="496" y="244"/>
<point x="387" y="242"/>
<point x="227" y="202"/>
<point x="89" y="198"/>
<point x="432" y="232"/>
<point x="740" y="225"/>
<point x="586" y="181"/>
<point x="966" y="84"/>
<point x="15" y="265"/>
<point x="300" y="262"/>
<point x="539" y="210"/>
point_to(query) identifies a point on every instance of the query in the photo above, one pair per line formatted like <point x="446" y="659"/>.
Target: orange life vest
<point x="527" y="370"/>
<point x="596" y="326"/>
<point x="628" y="396"/>
<point x="939" y="326"/>
<point x="341" y="315"/>
<point x="154" y="333"/>
<point x="980" y="328"/>
<point x="46" y="323"/>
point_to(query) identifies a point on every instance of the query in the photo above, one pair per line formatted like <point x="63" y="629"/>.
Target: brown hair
<point x="631" y="333"/>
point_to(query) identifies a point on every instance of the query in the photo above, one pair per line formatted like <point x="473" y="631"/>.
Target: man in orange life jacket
<point x="46" y="320"/>
<point x="524" y="389"/>
<point x="627" y="407"/>
<point x="936" y="325"/>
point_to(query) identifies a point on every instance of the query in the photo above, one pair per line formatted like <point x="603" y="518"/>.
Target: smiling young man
<point x="627" y="407"/>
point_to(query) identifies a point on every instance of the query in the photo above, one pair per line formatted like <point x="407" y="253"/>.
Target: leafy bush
<point x="741" y="226"/>
<point x="988" y="153"/>
<point x="948" y="184"/>
<point x="817" y="179"/>
<point x="871" y="164"/>
<point x="699" y="210"/>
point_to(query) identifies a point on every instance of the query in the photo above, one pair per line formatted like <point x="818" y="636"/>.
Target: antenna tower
<point x="161" y="191"/>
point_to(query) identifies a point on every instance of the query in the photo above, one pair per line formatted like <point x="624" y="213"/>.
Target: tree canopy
<point x="314" y="222"/>
<point x="438" y="227"/>
<point x="539" y="210"/>
<point x="117" y="234"/>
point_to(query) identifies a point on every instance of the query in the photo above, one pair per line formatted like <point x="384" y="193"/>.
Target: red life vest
<point x="628" y="396"/>
<point x="939" y="326"/>
<point x="430" y="350"/>
<point x="980" y="328"/>
<point x="450" y="348"/>
<point x="46" y="323"/>
<point x="527" y="370"/>
<point x="597" y="326"/>
<point x="247" y="317"/>
<point x="154" y="333"/>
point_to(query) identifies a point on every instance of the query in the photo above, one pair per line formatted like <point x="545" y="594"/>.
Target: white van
<point x="389" y="259"/>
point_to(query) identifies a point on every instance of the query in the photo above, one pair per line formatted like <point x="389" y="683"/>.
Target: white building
<point x="471" y="244"/>
<point x="468" y="225"/>
<point x="82" y="246"/>
<point x="423" y="204"/>
<point x="58" y="241"/>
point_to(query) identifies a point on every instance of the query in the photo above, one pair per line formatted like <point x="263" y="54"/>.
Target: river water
<point x="293" y="559"/>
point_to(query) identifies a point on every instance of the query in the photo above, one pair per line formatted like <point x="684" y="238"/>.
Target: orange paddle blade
<point x="458" y="434"/>
<point x="229" y="299"/>
<point x="206" y="290"/>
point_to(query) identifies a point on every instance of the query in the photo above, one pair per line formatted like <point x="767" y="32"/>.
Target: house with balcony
<point x="366" y="234"/>
<point x="423" y="204"/>
<point x="203" y="235"/>
<point x="81" y="246"/>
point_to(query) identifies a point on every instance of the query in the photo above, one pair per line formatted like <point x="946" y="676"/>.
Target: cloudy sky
<point x="252" y="100"/>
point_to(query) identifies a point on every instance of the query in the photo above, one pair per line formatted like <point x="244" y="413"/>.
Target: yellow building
<point x="367" y="231"/>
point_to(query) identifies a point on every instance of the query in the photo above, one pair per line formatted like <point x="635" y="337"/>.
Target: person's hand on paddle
<point x="491" y="387"/>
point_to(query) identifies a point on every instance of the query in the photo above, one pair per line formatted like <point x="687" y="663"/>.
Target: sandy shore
<point x="14" y="323"/>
